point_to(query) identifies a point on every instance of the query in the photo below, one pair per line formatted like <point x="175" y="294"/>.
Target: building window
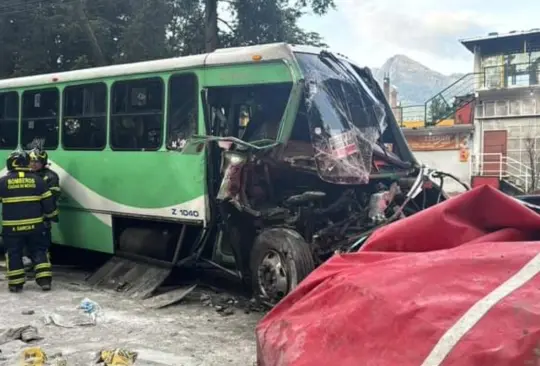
<point x="9" y="120"/>
<point x="527" y="106"/>
<point x="514" y="143"/>
<point x="493" y="71"/>
<point x="535" y="67"/>
<point x="84" y="122"/>
<point x="489" y="109"/>
<point x="137" y="115"/>
<point x="480" y="110"/>
<point x="501" y="108"/>
<point x="40" y="118"/>
<point x="515" y="108"/>
<point x="182" y="110"/>
<point x="517" y="69"/>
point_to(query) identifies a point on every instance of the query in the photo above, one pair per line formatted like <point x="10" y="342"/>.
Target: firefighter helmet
<point x="18" y="160"/>
<point x="39" y="156"/>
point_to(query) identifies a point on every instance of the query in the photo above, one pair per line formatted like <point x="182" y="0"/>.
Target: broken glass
<point x="345" y="118"/>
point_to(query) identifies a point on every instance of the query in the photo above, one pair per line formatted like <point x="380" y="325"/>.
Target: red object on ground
<point x="457" y="284"/>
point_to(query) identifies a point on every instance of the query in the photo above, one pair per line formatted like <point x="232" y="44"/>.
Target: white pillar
<point x="477" y="68"/>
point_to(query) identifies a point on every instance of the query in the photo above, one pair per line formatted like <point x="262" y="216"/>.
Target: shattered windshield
<point x="345" y="118"/>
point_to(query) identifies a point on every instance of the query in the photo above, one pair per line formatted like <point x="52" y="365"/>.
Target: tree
<point x="97" y="52"/>
<point x="211" y="25"/>
<point x="438" y="110"/>
<point x="144" y="34"/>
<point x="262" y="21"/>
<point x="276" y="21"/>
<point x="57" y="35"/>
<point x="533" y="157"/>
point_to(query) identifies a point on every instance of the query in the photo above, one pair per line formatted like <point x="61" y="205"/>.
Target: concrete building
<point x="507" y="108"/>
<point x="444" y="146"/>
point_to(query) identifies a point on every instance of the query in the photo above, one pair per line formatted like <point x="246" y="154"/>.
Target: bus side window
<point x="84" y="121"/>
<point x="9" y="120"/>
<point x="137" y="115"/>
<point x="40" y="118"/>
<point x="182" y="113"/>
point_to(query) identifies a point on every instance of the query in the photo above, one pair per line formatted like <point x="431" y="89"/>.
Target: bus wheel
<point x="280" y="260"/>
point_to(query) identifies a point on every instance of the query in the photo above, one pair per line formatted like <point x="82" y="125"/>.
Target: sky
<point x="428" y="31"/>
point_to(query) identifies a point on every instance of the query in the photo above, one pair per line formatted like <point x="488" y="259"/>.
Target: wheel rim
<point x="273" y="278"/>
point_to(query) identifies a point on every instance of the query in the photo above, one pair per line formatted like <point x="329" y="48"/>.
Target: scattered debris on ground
<point x="74" y="323"/>
<point x="168" y="298"/>
<point x="226" y="304"/>
<point x="25" y="333"/>
<point x="117" y="356"/>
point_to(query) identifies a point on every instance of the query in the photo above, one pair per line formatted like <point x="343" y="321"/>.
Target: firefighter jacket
<point x="53" y="182"/>
<point x="26" y="203"/>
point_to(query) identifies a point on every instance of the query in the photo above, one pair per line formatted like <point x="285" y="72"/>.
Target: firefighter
<point x="27" y="204"/>
<point x="39" y="163"/>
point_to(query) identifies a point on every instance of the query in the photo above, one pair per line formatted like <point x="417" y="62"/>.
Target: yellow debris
<point x="33" y="356"/>
<point x="117" y="357"/>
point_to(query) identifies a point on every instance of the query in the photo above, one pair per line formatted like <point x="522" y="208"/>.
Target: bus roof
<point x="224" y="56"/>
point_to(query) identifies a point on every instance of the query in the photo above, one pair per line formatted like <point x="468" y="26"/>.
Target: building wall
<point x="514" y="110"/>
<point x="445" y="149"/>
<point x="522" y="148"/>
<point x="507" y="88"/>
<point x="447" y="161"/>
<point x="514" y="103"/>
<point x="520" y="132"/>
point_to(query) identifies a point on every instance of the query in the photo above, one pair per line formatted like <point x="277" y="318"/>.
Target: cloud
<point x="420" y="26"/>
<point x="371" y="31"/>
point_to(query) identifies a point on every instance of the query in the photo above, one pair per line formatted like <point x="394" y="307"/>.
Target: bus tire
<point x="280" y="259"/>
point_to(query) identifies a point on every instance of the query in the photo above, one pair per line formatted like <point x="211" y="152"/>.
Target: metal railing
<point x="503" y="167"/>
<point x="444" y="104"/>
<point x="410" y="113"/>
<point x="458" y="94"/>
<point x="441" y="106"/>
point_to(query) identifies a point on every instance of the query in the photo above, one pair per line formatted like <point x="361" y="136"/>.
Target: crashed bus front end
<point x="338" y="169"/>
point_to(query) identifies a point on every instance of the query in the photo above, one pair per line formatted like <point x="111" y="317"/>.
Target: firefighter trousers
<point x="37" y="245"/>
<point x="48" y="230"/>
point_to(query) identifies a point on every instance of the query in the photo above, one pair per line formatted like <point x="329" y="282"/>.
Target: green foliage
<point x="57" y="35"/>
<point x="276" y="21"/>
<point x="438" y="109"/>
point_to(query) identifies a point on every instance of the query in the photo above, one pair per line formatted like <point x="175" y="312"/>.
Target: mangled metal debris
<point x="296" y="171"/>
<point x="344" y="171"/>
<point x="168" y="298"/>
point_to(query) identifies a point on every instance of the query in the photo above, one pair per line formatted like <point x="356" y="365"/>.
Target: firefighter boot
<point x="44" y="283"/>
<point x="15" y="288"/>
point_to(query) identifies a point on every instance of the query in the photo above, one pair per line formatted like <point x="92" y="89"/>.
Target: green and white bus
<point x="259" y="161"/>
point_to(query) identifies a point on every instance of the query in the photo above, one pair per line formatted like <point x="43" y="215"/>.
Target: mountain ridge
<point x="414" y="81"/>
